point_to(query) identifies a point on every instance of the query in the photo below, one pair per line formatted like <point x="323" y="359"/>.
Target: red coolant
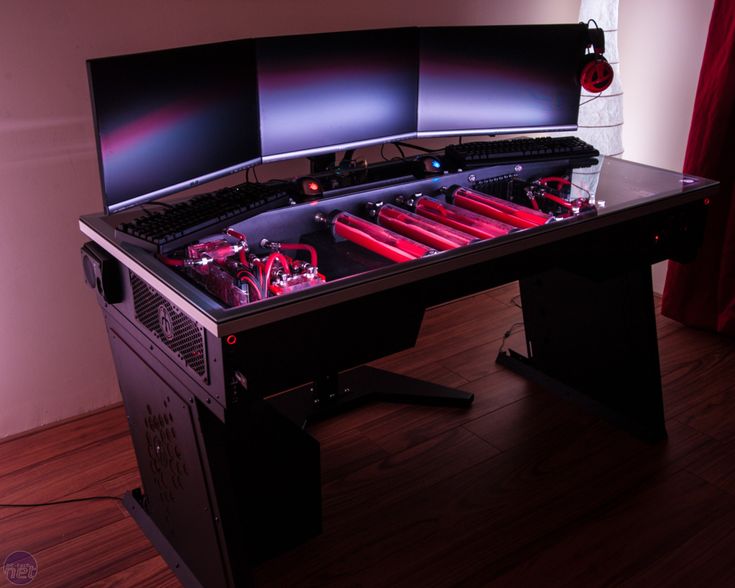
<point x="497" y="208"/>
<point x="378" y="239"/>
<point x="422" y="229"/>
<point x="462" y="220"/>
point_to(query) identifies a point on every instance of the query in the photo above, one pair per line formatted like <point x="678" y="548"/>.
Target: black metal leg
<point x="392" y="387"/>
<point x="594" y="338"/>
<point x="133" y="503"/>
<point x="336" y="394"/>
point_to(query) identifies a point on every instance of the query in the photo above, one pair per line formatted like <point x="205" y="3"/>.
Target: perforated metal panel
<point x="167" y="463"/>
<point x="183" y="336"/>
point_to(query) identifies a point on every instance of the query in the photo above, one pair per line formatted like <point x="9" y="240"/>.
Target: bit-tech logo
<point x="20" y="567"/>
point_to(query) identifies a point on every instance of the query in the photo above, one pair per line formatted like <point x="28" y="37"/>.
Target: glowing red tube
<point x="463" y="220"/>
<point x="301" y="247"/>
<point x="378" y="239"/>
<point x="171" y="262"/>
<point x="422" y="229"/>
<point x="272" y="258"/>
<point x="560" y="182"/>
<point x="497" y="208"/>
<point x="237" y="235"/>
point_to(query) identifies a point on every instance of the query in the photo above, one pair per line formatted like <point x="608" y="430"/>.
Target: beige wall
<point x="54" y="357"/>
<point x="661" y="47"/>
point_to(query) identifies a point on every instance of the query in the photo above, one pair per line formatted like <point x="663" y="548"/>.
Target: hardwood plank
<point x="531" y="416"/>
<point x="705" y="559"/>
<point x="51" y="479"/>
<point x="374" y="489"/>
<point x="698" y="369"/>
<point x="717" y="466"/>
<point x="89" y="558"/>
<point x="37" y="529"/>
<point x="487" y="511"/>
<point x="614" y="543"/>
<point x="346" y="453"/>
<point x="149" y="573"/>
<point x="51" y="442"/>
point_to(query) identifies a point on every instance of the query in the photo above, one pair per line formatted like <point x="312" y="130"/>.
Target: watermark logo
<point x="165" y="322"/>
<point x="20" y="567"/>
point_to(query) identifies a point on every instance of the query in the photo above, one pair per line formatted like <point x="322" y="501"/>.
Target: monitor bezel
<point x="183" y="185"/>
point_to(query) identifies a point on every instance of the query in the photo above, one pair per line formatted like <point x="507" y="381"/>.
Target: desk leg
<point x="133" y="503"/>
<point x="336" y="394"/>
<point x="594" y="338"/>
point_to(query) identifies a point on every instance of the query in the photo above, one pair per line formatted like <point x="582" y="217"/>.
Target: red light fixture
<point x="231" y="339"/>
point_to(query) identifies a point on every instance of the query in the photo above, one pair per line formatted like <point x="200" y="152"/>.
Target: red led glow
<point x="706" y="201"/>
<point x="231" y="339"/>
<point x="313" y="186"/>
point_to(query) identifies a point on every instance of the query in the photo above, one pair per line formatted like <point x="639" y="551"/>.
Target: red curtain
<point x="702" y="293"/>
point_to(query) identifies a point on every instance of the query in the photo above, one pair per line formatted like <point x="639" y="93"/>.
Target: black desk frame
<point x="230" y="474"/>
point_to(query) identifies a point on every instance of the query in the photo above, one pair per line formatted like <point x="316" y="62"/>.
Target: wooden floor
<point x="523" y="489"/>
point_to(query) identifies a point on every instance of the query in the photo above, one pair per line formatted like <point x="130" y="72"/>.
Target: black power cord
<point x="514" y="328"/>
<point x="56" y="502"/>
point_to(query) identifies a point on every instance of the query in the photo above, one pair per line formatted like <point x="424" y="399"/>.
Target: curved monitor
<point x="335" y="91"/>
<point x="169" y="120"/>
<point x="499" y="79"/>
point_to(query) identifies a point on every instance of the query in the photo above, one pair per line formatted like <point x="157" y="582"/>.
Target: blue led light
<point x="435" y="164"/>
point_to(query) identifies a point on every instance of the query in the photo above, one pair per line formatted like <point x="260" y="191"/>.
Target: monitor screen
<point x="334" y="91"/>
<point x="169" y="120"/>
<point x="499" y="79"/>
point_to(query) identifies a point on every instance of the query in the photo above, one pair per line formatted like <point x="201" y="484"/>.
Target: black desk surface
<point x="623" y="191"/>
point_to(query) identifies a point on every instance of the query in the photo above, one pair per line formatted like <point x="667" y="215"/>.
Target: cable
<point x="400" y="144"/>
<point x="397" y="145"/>
<point x="250" y="279"/>
<point x="382" y="153"/>
<point x="511" y="331"/>
<point x="255" y="175"/>
<point x="591" y="99"/>
<point x="56" y="502"/>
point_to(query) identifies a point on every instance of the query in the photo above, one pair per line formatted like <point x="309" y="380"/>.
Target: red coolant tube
<point x="497" y="208"/>
<point x="422" y="229"/>
<point x="377" y="239"/>
<point x="301" y="247"/>
<point x="462" y="220"/>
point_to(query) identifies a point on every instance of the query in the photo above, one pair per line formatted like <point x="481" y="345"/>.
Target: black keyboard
<point x="481" y="153"/>
<point x="204" y="213"/>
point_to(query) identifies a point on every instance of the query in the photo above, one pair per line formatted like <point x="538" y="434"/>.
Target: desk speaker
<point x="102" y="272"/>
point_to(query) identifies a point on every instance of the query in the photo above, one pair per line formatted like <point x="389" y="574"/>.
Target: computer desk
<point x="216" y="398"/>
